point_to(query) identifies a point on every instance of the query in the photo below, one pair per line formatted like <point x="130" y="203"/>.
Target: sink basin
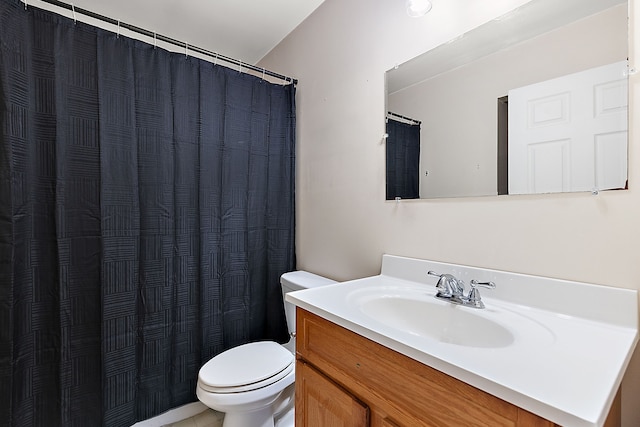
<point x="411" y="311"/>
<point x="439" y="320"/>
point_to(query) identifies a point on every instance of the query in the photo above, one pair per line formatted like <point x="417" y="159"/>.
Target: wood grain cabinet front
<point x="344" y="379"/>
<point x="321" y="403"/>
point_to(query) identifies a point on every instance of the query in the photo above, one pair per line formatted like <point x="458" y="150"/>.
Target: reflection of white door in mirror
<point x="570" y="133"/>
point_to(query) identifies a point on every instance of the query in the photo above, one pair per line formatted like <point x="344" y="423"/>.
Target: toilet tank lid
<point x="295" y="280"/>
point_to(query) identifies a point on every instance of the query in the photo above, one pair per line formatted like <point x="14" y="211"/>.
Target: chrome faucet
<point x="451" y="289"/>
<point x="448" y="286"/>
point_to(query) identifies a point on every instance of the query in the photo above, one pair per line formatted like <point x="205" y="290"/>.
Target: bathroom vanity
<point x="382" y="351"/>
<point x="345" y="379"/>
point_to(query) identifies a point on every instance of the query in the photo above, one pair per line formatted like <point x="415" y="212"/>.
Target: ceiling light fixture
<point x="418" y="8"/>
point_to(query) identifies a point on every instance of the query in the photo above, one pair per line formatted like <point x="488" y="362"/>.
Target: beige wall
<point x="462" y="159"/>
<point x="339" y="54"/>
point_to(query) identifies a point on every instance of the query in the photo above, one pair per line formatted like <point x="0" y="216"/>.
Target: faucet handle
<point x="448" y="285"/>
<point x="489" y="285"/>
<point x="474" y="294"/>
<point x="441" y="286"/>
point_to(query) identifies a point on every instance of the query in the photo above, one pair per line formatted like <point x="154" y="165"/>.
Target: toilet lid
<point x="246" y="365"/>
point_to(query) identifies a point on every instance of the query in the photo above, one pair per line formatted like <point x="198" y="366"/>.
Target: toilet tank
<point x="295" y="281"/>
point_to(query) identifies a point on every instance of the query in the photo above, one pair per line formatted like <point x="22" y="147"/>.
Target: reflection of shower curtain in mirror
<point x="403" y="159"/>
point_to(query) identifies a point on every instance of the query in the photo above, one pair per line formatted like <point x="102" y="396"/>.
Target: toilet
<point x="253" y="383"/>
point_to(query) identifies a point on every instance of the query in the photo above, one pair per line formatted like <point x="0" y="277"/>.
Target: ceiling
<point x="243" y="30"/>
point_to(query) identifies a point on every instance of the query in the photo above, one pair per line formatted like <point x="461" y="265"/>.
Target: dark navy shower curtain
<point x="146" y="214"/>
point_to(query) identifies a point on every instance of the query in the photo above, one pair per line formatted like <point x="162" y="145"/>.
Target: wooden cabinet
<point x="344" y="379"/>
<point x="321" y="402"/>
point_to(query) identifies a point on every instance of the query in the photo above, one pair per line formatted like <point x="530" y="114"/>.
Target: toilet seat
<point x="246" y="367"/>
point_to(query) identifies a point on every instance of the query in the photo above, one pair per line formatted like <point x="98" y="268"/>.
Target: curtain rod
<point x="166" y="39"/>
<point x="390" y="113"/>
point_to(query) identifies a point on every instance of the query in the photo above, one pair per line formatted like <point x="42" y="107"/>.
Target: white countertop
<point x="571" y="342"/>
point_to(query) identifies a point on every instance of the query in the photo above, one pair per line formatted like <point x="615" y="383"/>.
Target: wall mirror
<point x="532" y="102"/>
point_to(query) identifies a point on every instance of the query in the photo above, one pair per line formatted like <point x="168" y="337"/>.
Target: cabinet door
<point x="322" y="403"/>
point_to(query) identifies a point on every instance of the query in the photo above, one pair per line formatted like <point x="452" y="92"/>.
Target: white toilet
<point x="253" y="382"/>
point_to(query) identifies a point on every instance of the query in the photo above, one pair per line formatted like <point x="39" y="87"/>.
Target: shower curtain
<point x="146" y="214"/>
<point x="403" y="160"/>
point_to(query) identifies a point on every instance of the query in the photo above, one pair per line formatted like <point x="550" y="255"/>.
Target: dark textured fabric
<point x="403" y="160"/>
<point x="146" y="214"/>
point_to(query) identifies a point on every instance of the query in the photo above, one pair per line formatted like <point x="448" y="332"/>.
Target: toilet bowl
<point x="253" y="382"/>
<point x="244" y="382"/>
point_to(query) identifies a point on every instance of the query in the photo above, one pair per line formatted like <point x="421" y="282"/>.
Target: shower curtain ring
<point x="155" y="40"/>
<point x="25" y="4"/>
<point x="186" y="49"/>
<point x="118" y="33"/>
<point x="73" y="10"/>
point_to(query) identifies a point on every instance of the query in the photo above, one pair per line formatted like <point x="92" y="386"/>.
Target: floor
<point x="175" y="415"/>
<point x="208" y="418"/>
<point x="211" y="418"/>
<point x="198" y="415"/>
